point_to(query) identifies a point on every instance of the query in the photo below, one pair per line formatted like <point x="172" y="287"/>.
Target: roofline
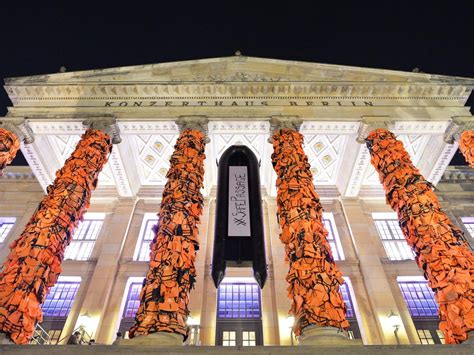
<point x="41" y="78"/>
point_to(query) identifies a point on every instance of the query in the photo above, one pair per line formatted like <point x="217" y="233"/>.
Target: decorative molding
<point x="32" y="156"/>
<point x="195" y="122"/>
<point x="456" y="127"/>
<point x="235" y="90"/>
<point x="148" y="127"/>
<point x="418" y="127"/>
<point x="244" y="127"/>
<point x="358" y="172"/>
<point x="457" y="173"/>
<point x="57" y="127"/>
<point x="443" y="161"/>
<point x="16" y="176"/>
<point x="280" y="122"/>
<point x="106" y="124"/>
<point x="20" y="127"/>
<point x="118" y="171"/>
<point x="329" y="127"/>
<point x="370" y="123"/>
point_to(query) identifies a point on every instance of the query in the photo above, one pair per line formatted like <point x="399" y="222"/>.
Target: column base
<point x="5" y="340"/>
<point x="317" y="335"/>
<point x="470" y="338"/>
<point x="158" y="339"/>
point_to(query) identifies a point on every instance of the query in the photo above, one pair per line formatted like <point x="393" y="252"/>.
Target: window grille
<point x="333" y="236"/>
<point x="84" y="238"/>
<point x="133" y="300"/>
<point x="60" y="299"/>
<point x="142" y="251"/>
<point x="6" y="225"/>
<point x="238" y="301"/>
<point x="419" y="298"/>
<point x="392" y="238"/>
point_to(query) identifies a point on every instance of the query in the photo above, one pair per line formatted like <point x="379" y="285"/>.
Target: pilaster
<point x="104" y="275"/>
<point x="381" y="300"/>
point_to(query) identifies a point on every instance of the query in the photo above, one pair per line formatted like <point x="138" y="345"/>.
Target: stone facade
<point x="372" y="276"/>
<point x="240" y="96"/>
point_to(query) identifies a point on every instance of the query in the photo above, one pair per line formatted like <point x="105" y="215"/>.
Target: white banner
<point x="239" y="206"/>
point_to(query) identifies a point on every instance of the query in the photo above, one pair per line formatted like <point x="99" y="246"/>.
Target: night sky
<point x="40" y="38"/>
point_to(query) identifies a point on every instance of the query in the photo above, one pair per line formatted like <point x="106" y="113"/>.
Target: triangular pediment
<point x="235" y="69"/>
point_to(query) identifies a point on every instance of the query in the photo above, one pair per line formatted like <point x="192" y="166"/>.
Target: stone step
<point x="218" y="350"/>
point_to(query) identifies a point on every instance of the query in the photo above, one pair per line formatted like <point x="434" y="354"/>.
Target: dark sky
<point x="40" y="38"/>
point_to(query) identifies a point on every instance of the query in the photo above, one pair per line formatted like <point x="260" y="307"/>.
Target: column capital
<point x="194" y="122"/>
<point x="20" y="127"/>
<point x="284" y="121"/>
<point x="106" y="124"/>
<point x="368" y="124"/>
<point x="456" y="127"/>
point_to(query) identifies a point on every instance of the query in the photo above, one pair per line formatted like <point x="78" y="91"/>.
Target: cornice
<point x="136" y="92"/>
<point x="457" y="174"/>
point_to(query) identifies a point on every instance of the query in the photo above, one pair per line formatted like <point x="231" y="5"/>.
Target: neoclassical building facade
<point x="246" y="101"/>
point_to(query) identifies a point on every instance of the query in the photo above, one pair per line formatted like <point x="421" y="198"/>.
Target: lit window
<point x="347" y="300"/>
<point x="469" y="224"/>
<point x="6" y="225"/>
<point x="84" y="237"/>
<point x="228" y="338"/>
<point x="333" y="236"/>
<point x="142" y="251"/>
<point x="248" y="338"/>
<point x="60" y="298"/>
<point x="392" y="237"/>
<point x="238" y="300"/>
<point x="133" y="300"/>
<point x="419" y="298"/>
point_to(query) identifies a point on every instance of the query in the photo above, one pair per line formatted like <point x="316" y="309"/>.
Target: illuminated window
<point x="248" y="338"/>
<point x="423" y="309"/>
<point x="238" y="300"/>
<point x="6" y="225"/>
<point x="228" y="338"/>
<point x="469" y="224"/>
<point x="142" y="251"/>
<point x="392" y="237"/>
<point x="133" y="300"/>
<point x="333" y="236"/>
<point x="60" y="299"/>
<point x="347" y="300"/>
<point x="354" y="331"/>
<point x="419" y="298"/>
<point x="85" y="236"/>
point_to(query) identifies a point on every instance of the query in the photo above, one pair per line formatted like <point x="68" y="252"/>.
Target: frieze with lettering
<point x="236" y="103"/>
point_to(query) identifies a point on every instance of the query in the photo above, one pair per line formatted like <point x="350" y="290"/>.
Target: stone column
<point x="11" y="132"/>
<point x="314" y="279"/>
<point x="34" y="262"/>
<point x="164" y="297"/>
<point x="441" y="250"/>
